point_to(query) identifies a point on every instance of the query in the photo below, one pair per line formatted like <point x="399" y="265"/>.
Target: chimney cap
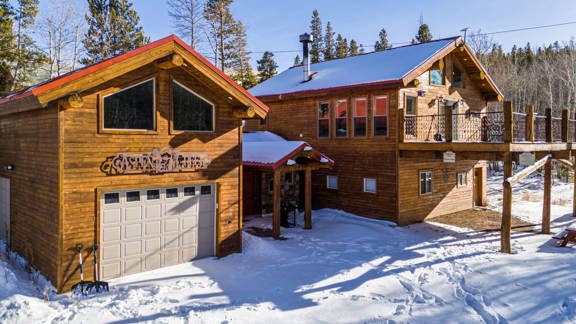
<point x="306" y="38"/>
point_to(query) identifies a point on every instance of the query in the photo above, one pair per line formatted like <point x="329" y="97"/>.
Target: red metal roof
<point x="46" y="86"/>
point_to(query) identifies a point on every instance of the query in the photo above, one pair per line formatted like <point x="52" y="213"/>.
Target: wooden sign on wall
<point x="157" y="162"/>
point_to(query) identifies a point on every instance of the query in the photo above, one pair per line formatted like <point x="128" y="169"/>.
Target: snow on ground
<point x="346" y="270"/>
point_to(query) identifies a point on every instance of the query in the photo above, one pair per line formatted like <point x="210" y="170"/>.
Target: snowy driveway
<point x="346" y="270"/>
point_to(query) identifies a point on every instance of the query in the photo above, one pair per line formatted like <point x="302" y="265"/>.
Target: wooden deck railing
<point x="504" y="126"/>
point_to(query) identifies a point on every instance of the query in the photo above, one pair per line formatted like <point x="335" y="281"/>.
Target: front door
<point x="5" y="210"/>
<point x="251" y="192"/>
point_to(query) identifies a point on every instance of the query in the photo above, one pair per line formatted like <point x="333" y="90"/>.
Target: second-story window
<point x="380" y="116"/>
<point x="360" y="107"/>
<point x="437" y="77"/>
<point x="190" y="111"/>
<point x="324" y="119"/>
<point x="130" y="109"/>
<point x="457" y="80"/>
<point x="341" y="118"/>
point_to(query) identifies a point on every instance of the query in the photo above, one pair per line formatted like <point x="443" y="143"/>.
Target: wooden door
<point x="251" y="190"/>
<point x="5" y="210"/>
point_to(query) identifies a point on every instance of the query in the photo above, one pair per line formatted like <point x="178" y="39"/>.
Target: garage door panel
<point x="111" y="252"/>
<point x="153" y="211"/>
<point x="132" y="249"/>
<point x="132" y="231"/>
<point x="110" y="234"/>
<point x="162" y="228"/>
<point x="171" y="225"/>
<point x="152" y="228"/>
<point x="133" y="214"/>
<point x="112" y="216"/>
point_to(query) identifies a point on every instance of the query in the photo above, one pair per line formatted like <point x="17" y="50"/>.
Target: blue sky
<point x="275" y="25"/>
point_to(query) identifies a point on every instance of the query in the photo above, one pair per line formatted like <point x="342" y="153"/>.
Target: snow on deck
<point x="388" y="65"/>
<point x="347" y="269"/>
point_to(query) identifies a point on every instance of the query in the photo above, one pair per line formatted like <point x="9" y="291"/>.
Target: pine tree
<point x="19" y="55"/>
<point x="237" y="59"/>
<point x="329" y="46"/>
<point x="316" y="31"/>
<point x="267" y="67"/>
<point x="223" y="34"/>
<point x="424" y="34"/>
<point x="382" y="43"/>
<point x="297" y="60"/>
<point x="362" y="50"/>
<point x="353" y="49"/>
<point x="341" y="47"/>
<point x="113" y="29"/>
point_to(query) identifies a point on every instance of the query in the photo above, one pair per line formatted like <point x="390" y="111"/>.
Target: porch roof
<point x="268" y="150"/>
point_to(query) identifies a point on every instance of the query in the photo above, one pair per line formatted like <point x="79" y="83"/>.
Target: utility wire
<point x="470" y="35"/>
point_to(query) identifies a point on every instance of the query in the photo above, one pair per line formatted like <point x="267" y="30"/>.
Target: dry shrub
<point x="531" y="197"/>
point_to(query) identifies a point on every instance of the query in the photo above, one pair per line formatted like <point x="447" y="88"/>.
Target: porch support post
<point x="308" y="198"/>
<point x="547" y="197"/>
<point x="549" y="133"/>
<point x="448" y="124"/>
<point x="530" y="124"/>
<point x="508" y="122"/>
<point x="505" y="236"/>
<point x="276" y="205"/>
<point x="565" y="125"/>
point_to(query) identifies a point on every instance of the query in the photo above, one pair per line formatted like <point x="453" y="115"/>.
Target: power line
<point x="470" y="35"/>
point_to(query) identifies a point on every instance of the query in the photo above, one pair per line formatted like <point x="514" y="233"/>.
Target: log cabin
<point x="359" y="109"/>
<point x="140" y="153"/>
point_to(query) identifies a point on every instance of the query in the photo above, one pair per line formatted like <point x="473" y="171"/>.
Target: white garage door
<point x="146" y="229"/>
<point x="5" y="210"/>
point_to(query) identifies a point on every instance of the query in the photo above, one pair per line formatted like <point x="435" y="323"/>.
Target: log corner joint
<point x="72" y="101"/>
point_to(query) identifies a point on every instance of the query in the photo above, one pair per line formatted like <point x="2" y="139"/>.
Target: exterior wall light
<point x="421" y="93"/>
<point x="8" y="167"/>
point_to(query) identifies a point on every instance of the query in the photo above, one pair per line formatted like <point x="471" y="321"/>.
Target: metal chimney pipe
<point x="306" y="39"/>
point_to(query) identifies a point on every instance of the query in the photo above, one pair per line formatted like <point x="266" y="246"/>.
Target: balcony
<point x="507" y="127"/>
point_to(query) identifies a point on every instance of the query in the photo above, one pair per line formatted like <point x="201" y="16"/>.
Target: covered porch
<point x="277" y="179"/>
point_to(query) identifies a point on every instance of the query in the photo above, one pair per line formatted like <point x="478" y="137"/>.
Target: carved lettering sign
<point x="157" y="162"/>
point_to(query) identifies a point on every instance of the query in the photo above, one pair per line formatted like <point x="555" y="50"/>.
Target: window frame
<point x="443" y="77"/>
<point x="374" y="98"/>
<point x="420" y="182"/>
<point x="115" y="90"/>
<point x="327" y="118"/>
<point x="345" y="118"/>
<point x="457" y="84"/>
<point x="375" y="185"/>
<point x="179" y="131"/>
<point x="458" y="177"/>
<point x="328" y="182"/>
<point x="354" y="117"/>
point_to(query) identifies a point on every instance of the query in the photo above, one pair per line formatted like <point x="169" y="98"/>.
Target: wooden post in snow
<point x="506" y="230"/>
<point x="276" y="205"/>
<point x="308" y="198"/>
<point x="547" y="197"/>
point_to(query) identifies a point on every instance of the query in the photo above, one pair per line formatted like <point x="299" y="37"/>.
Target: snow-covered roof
<point x="267" y="149"/>
<point x="377" y="67"/>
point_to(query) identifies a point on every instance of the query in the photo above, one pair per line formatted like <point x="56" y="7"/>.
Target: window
<point x="462" y="179"/>
<point x="172" y="193"/>
<point x="133" y="196"/>
<point x="190" y="111"/>
<point x="370" y="185"/>
<point x="111" y="198"/>
<point x="206" y="190"/>
<point x="360" y="107"/>
<point x="437" y="77"/>
<point x="411" y="106"/>
<point x="323" y="119"/>
<point x="189" y="191"/>
<point x="153" y="194"/>
<point x="425" y="182"/>
<point x="131" y="108"/>
<point x="457" y="80"/>
<point x="341" y="118"/>
<point x="331" y="182"/>
<point x="380" y="117"/>
<point x="264" y="121"/>
<point x="288" y="177"/>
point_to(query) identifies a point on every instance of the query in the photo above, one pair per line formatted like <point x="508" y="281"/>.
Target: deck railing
<point x="503" y="126"/>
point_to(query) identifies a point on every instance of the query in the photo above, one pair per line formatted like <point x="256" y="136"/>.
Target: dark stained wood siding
<point x="29" y="141"/>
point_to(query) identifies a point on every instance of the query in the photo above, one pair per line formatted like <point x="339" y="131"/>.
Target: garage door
<point x="146" y="229"/>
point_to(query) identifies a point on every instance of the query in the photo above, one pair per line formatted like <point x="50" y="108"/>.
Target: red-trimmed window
<point x="324" y="119"/>
<point x="380" y="117"/>
<point x="341" y="118"/>
<point x="360" y="115"/>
